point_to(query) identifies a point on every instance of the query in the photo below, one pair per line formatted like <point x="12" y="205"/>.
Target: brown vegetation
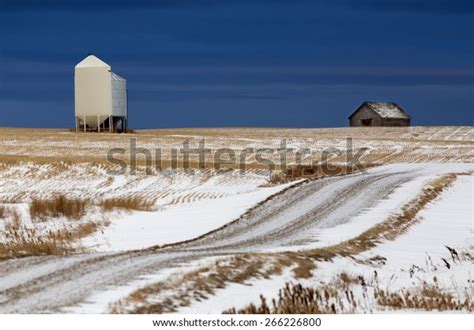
<point x="338" y="297"/>
<point x="127" y="203"/>
<point x="26" y="242"/>
<point x="15" y="221"/>
<point x="429" y="298"/>
<point x="58" y="206"/>
<point x="304" y="266"/>
<point x="3" y="211"/>
<point x="195" y="285"/>
<point x="297" y="299"/>
<point x="75" y="208"/>
<point x="295" y="172"/>
<point x="387" y="144"/>
<point x="292" y="299"/>
<point x="199" y="284"/>
<point x="22" y="242"/>
<point x="77" y="232"/>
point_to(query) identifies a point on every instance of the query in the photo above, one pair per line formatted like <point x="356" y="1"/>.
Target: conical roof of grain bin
<point x="98" y="92"/>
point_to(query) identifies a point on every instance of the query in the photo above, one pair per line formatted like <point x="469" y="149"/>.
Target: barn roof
<point x="385" y="110"/>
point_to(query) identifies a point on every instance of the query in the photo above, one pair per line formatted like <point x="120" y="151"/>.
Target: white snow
<point x="369" y="217"/>
<point x="22" y="275"/>
<point x="176" y="222"/>
<point x="328" y="233"/>
<point x="239" y="295"/>
<point x="411" y="258"/>
<point x="386" y="207"/>
<point x="387" y="110"/>
<point x="447" y="221"/>
<point x="187" y="204"/>
<point x="99" y="301"/>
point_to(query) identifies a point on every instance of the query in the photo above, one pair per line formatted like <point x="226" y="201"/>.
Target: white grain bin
<point x="100" y="97"/>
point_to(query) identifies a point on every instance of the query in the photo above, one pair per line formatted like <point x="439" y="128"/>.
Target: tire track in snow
<point x="285" y="219"/>
<point x="279" y="221"/>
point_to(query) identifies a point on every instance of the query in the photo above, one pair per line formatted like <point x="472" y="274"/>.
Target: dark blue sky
<point x="197" y="63"/>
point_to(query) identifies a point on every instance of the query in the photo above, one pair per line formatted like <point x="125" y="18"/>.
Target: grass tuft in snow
<point x="21" y="241"/>
<point x="25" y="242"/>
<point x="3" y="211"/>
<point x="296" y="172"/>
<point x="58" y="206"/>
<point x="75" y="208"/>
<point x="429" y="297"/>
<point x="349" y="294"/>
<point x="298" y="299"/>
<point x="127" y="203"/>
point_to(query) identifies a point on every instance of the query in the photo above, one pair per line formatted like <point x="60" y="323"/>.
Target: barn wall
<point x="365" y="113"/>
<point x="395" y="122"/>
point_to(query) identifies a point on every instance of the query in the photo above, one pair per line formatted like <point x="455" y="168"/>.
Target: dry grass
<point x="339" y="297"/>
<point x="127" y="203"/>
<point x="3" y="211"/>
<point x="76" y="233"/>
<point x="12" y="219"/>
<point x="292" y="299"/>
<point x="7" y="161"/>
<point x="298" y="299"/>
<point x="75" y="208"/>
<point x="429" y="298"/>
<point x="333" y="297"/>
<point x="421" y="133"/>
<point x="195" y="285"/>
<point x="22" y="242"/>
<point x="15" y="219"/>
<point x="387" y="144"/>
<point x="304" y="266"/>
<point x="296" y="172"/>
<point x="322" y="170"/>
<point x="58" y="206"/>
<point x="25" y="243"/>
<point x="200" y="284"/>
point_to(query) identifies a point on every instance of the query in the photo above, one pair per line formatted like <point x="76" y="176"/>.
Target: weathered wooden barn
<point x="379" y="114"/>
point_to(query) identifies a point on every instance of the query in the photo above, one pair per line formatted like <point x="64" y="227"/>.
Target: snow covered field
<point x="413" y="259"/>
<point x="176" y="222"/>
<point x="382" y="144"/>
<point x="185" y="205"/>
<point x="199" y="242"/>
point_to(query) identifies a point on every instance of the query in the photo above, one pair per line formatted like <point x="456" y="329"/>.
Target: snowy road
<point x="290" y="218"/>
